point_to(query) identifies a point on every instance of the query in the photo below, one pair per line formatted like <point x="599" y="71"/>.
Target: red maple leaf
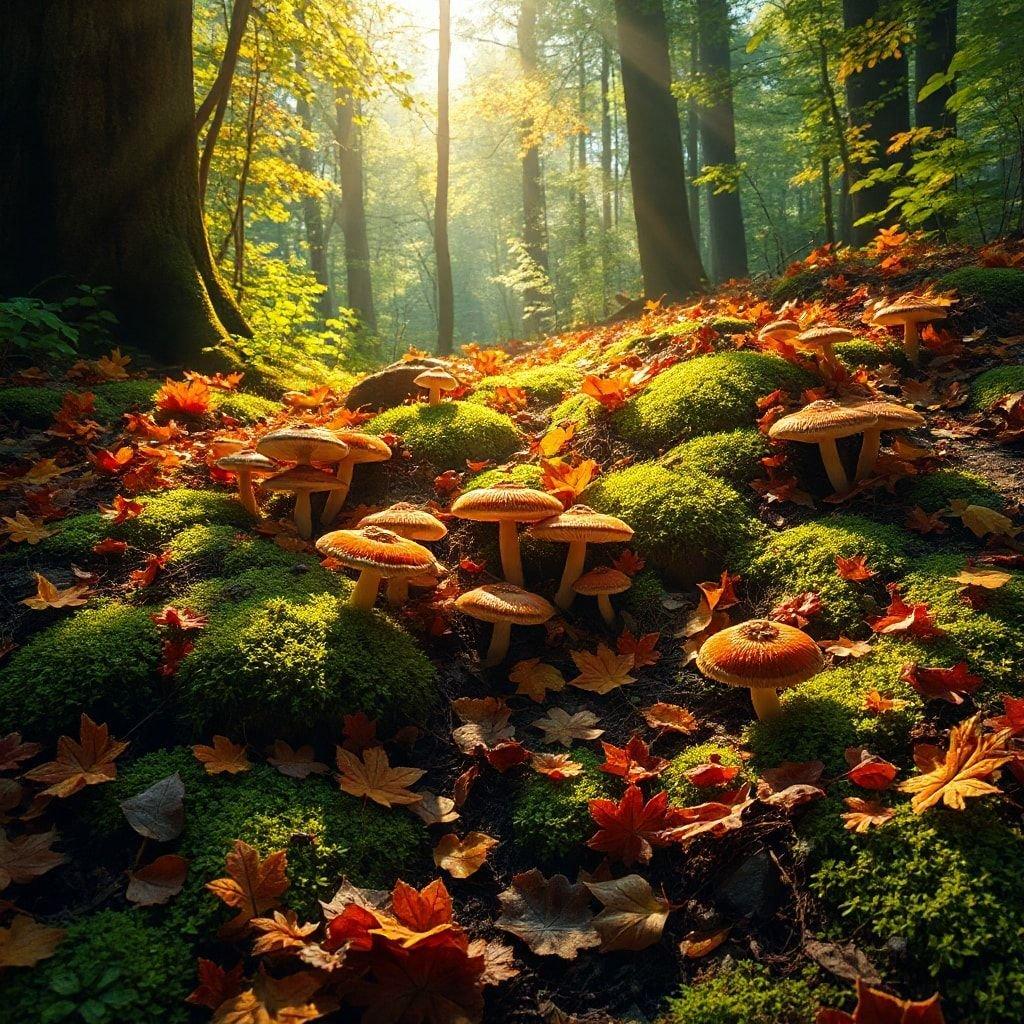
<point x="797" y="611"/>
<point x="629" y="828"/>
<point x="629" y="562"/>
<point x="642" y="648"/>
<point x="1012" y="717"/>
<point x="184" y="619"/>
<point x="948" y="684"/>
<point x="868" y="770"/>
<point x="877" y="1007"/>
<point x="712" y="773"/>
<point x="507" y="754"/>
<point x="216" y="985"/>
<point x="146" y="576"/>
<point x="900" y="617"/>
<point x="634" y="762"/>
<point x="854" y="569"/>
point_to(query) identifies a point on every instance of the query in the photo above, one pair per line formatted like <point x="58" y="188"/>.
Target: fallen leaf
<point x="507" y="754"/>
<point x="844" y="961"/>
<point x="13" y="751"/>
<point x="865" y="814"/>
<point x="551" y="915"/>
<point x="23" y="530"/>
<point x="535" y="679"/>
<point x="634" y="762"/>
<point x="879" y="705"/>
<point x="982" y="521"/>
<point x="632" y="917"/>
<point x="434" y="809"/>
<point x="156" y="883"/>
<point x="485" y="723"/>
<point x="24" y="943"/>
<point x="900" y="617"/>
<point x="670" y="717"/>
<point x="463" y="857"/>
<point x="948" y="684"/>
<point x="629" y="828"/>
<point x="559" y="726"/>
<point x="464" y="783"/>
<point x="253" y="886"/>
<point x="556" y="767"/>
<point x="88" y="762"/>
<point x="642" y="648"/>
<point x="27" y="857"/>
<point x="876" y="1007"/>
<point x="1012" y="717"/>
<point x="978" y="576"/>
<point x="854" y="569"/>
<point x="224" y="757"/>
<point x="272" y="1000"/>
<point x="714" y="818"/>
<point x="297" y="764"/>
<point x="797" y="611"/>
<point x="695" y="945"/>
<point x="373" y="777"/>
<point x="50" y="596"/>
<point x="216" y="985"/>
<point x="869" y="771"/>
<point x="602" y="671"/>
<point x="158" y="812"/>
<point x="280" y="933"/>
<point x="499" y="963"/>
<point x="711" y="773"/>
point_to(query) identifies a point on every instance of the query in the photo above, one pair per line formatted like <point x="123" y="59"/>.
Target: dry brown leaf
<point x="559" y="726"/>
<point x="23" y="530"/>
<point x="979" y="576"/>
<point x="485" y="723"/>
<point x="253" y="886"/>
<point x="602" y="671"/>
<point x="551" y="915"/>
<point x="276" y="1001"/>
<point x="535" y="679"/>
<point x="158" y="882"/>
<point x="463" y="857"/>
<point x="670" y="717"/>
<point x="373" y="777"/>
<point x="224" y="757"/>
<point x="434" y="809"/>
<point x="49" y="595"/>
<point x="280" y="933"/>
<point x="555" y="766"/>
<point x="695" y="945"/>
<point x="24" y="943"/>
<point x="27" y="857"/>
<point x="87" y="762"/>
<point x="982" y="521"/>
<point x="13" y="751"/>
<point x="632" y="916"/>
<point x="158" y="812"/>
<point x="865" y="814"/>
<point x="297" y="764"/>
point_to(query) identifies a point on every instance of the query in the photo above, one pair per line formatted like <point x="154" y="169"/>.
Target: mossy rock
<point x="938" y="490"/>
<point x="166" y="513"/>
<point x="244" y="407"/>
<point x="726" y="325"/>
<point x="803" y="285"/>
<point x="123" y="396"/>
<point x="682" y="791"/>
<point x="689" y="526"/>
<point x="35" y="407"/>
<point x="705" y="395"/>
<point x="72" y="540"/>
<point x="990" y="386"/>
<point x="803" y="558"/>
<point x="101" y="660"/>
<point x="525" y="473"/>
<point x="858" y="352"/>
<point x="943" y="883"/>
<point x="544" y="385"/>
<point x="449" y="434"/>
<point x="199" y="547"/>
<point x="580" y="410"/>
<point x="999" y="289"/>
<point x="734" y="456"/>
<point x="551" y="820"/>
<point x="227" y="552"/>
<point x="112" y="966"/>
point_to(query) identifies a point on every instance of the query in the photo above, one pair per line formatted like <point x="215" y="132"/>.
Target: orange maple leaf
<point x="565" y="481"/>
<point x="50" y="596"/>
<point x="372" y="776"/>
<point x="253" y="886"/>
<point x="603" y="670"/>
<point x="555" y="440"/>
<point x="87" y="762"/>
<point x="223" y="757"/>
<point x="611" y="392"/>
<point x="189" y="398"/>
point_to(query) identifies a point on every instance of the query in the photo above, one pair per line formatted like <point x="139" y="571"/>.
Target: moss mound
<point x="30" y="406"/>
<point x="734" y="456"/>
<point x="999" y="289"/>
<point x="990" y="386"/>
<point x="940" y="489"/>
<point x="525" y="473"/>
<point x="803" y="558"/>
<point x="731" y="325"/>
<point x="166" y="513"/>
<point x="111" y="967"/>
<point x="73" y="540"/>
<point x="544" y="385"/>
<point x="580" y="410"/>
<point x="101" y="660"/>
<point x="856" y="353"/>
<point x="705" y="395"/>
<point x="243" y="407"/>
<point x="123" y="396"/>
<point x="688" y="526"/>
<point x="682" y="791"/>
<point x="804" y="285"/>
<point x="448" y="434"/>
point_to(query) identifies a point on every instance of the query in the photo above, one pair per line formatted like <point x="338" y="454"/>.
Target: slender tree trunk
<point x="718" y="139"/>
<point x="445" y="291"/>
<point x="581" y="156"/>
<point x="693" y="144"/>
<point x="839" y="127"/>
<point x="933" y="53"/>
<point x="606" y="176"/>
<point x="669" y="259"/>
<point x="101" y="183"/>
<point x="359" y="283"/>
<point x="826" y="200"/>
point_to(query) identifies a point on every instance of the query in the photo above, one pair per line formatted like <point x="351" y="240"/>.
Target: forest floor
<point x="651" y="852"/>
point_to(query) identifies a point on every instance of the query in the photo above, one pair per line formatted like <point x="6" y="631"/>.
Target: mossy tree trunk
<point x="99" y="169"/>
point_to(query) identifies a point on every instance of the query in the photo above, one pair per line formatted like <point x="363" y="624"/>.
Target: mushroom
<point x="361" y="448"/>
<point x="221" y="446"/>
<point x="413" y="523"/>
<point x="601" y="583"/>
<point x="377" y="554"/>
<point x="779" y="330"/>
<point x="821" y="423"/>
<point x="436" y="380"/>
<point x="909" y="315"/>
<point x="304" y="444"/>
<point x="302" y="481"/>
<point x="820" y="341"/>
<point x="762" y="656"/>
<point x="245" y="464"/>
<point x="888" y="416"/>
<point x="506" y="605"/>
<point x="507" y="504"/>
<point x="579" y="526"/>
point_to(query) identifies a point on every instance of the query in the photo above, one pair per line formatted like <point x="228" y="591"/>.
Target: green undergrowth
<point x="735" y="456"/>
<point x="643" y="600"/>
<point x="859" y="352"/>
<point x="527" y="473"/>
<point x="1000" y="290"/>
<point x="244" y="407"/>
<point x="579" y="410"/>
<point x="807" y="284"/>
<point x="544" y="385"/>
<point x="938" y="490"/>
<point x="166" y="513"/>
<point x="990" y="386"/>
<point x="72" y="541"/>
<point x="682" y="791"/>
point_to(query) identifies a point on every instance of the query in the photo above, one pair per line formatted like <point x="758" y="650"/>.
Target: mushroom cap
<point x="407" y="520"/>
<point x="760" y="654"/>
<point x="378" y="550"/>
<point x="823" y="420"/>
<point x="505" y="602"/>
<point x="302" y="443"/>
<point x="890" y="415"/>
<point x="581" y="522"/>
<point x="820" y="338"/>
<point x="428" y="579"/>
<point x="436" y="377"/>
<point x="221" y="446"/>
<point x="242" y="461"/>
<point x="909" y="312"/>
<point x="302" y="478"/>
<point x="602" y="579"/>
<point x="779" y="329"/>
<point x="363" y="447"/>
<point x="505" y="502"/>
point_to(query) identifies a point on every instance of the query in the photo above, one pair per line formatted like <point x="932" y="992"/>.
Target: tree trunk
<point x="935" y="47"/>
<point x="99" y="167"/>
<point x="728" y="242"/>
<point x="359" y="289"/>
<point x="581" y="156"/>
<point x="606" y="176"/>
<point x="693" y="144"/>
<point x="877" y="99"/>
<point x="669" y="260"/>
<point x="445" y="295"/>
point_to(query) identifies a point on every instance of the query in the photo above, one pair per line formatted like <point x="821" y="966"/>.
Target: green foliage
<point x="731" y="325"/>
<point x="448" y="434"/>
<point x="165" y="513"/>
<point x="544" y="385"/>
<point x="33" y="329"/>
<point x="526" y="473"/>
<point x="734" y="456"/>
<point x="804" y="285"/>
<point x="121" y="396"/>
<point x="803" y="558"/>
<point x="30" y="406"/>
<point x="579" y="410"/>
<point x="857" y="353"/>
<point x="243" y="407"/>
<point x="990" y="386"/>
<point x="682" y="791"/>
<point x="689" y="526"/>
<point x="73" y="540"/>
<point x="999" y="289"/>
<point x="100" y="660"/>
<point x="200" y="547"/>
<point x="111" y="967"/>
<point x="643" y="599"/>
<point x="934" y="491"/>
<point x="705" y="395"/>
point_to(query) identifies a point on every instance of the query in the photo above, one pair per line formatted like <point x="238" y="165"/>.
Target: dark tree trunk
<point x="669" y="259"/>
<point x="99" y="166"/>
<point x="877" y="99"/>
<point x="359" y="290"/>
<point x="728" y="242"/>
<point x="693" y="144"/>
<point x="606" y="175"/>
<point x="445" y="291"/>
<point x="581" y="156"/>
<point x="936" y="45"/>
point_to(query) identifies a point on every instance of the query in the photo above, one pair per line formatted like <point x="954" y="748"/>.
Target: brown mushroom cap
<point x="505" y="602"/>
<point x="760" y="654"/>
<point x="821" y="338"/>
<point x="580" y="522"/>
<point x="889" y="415"/>
<point x="300" y="479"/>
<point x="824" y="420"/>
<point x="376" y="550"/>
<point x="505" y="502"/>
<point x="436" y="377"/>
<point x="407" y="520"/>
<point x="221" y="446"/>
<point x="246" y="461"/>
<point x="602" y="580"/>
<point x="908" y="312"/>
<point x="302" y="443"/>
<point x="363" y="447"/>
<point x="780" y="329"/>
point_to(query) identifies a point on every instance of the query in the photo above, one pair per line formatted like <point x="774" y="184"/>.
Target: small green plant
<point x="38" y="330"/>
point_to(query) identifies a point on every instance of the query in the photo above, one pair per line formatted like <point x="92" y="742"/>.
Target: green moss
<point x="448" y="434"/>
<point x="803" y="558"/>
<point x="643" y="599"/>
<point x="544" y="385"/>
<point x="32" y="406"/>
<point x="734" y="456"/>
<point x="731" y="325"/>
<point x="689" y="526"/>
<point x="990" y="386"/>
<point x="804" y="285"/>
<point x="999" y="289"/>
<point x="933" y="491"/>
<point x="704" y="395"/>
<point x="552" y="820"/>
<point x="580" y="410"/>
<point x="127" y="395"/>
<point x="73" y="540"/>
<point x="857" y="353"/>
<point x="746" y="993"/>
<point x="166" y="513"/>
<point x="682" y="791"/>
<point x="943" y="883"/>
<point x="245" y="408"/>
<point x="101" y="660"/>
<point x="525" y="473"/>
<point x="201" y="546"/>
<point x="111" y="967"/>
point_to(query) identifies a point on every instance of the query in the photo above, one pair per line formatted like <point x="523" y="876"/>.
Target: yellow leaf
<point x="463" y="857"/>
<point x="534" y="678"/>
<point x="223" y="757"/>
<point x="50" y="596"/>
<point x="602" y="671"/>
<point x="22" y="529"/>
<point x="25" y="942"/>
<point x="373" y="777"/>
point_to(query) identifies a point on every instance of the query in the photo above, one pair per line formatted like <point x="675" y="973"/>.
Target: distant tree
<point x="442" y="256"/>
<point x="935" y="46"/>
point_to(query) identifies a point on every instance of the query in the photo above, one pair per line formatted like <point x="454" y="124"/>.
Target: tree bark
<point x="581" y="155"/>
<point x="445" y="291"/>
<point x="669" y="260"/>
<point x="693" y="143"/>
<point x="100" y="171"/>
<point x="728" y="242"/>
<point x="934" y="50"/>
<point x="607" y="185"/>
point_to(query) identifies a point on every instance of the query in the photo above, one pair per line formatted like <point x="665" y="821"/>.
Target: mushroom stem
<point x="911" y="336"/>
<point x="508" y="545"/>
<point x="435" y="395"/>
<point x="500" y="637"/>
<point x="834" y="466"/>
<point x="337" y="498"/>
<point x="398" y="591"/>
<point x="604" y="606"/>
<point x="827" y="360"/>
<point x="868" y="453"/>
<point x="766" y="703"/>
<point x="573" y="571"/>
<point x="364" y="593"/>
<point x="303" y="514"/>
<point x="246" y="495"/>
